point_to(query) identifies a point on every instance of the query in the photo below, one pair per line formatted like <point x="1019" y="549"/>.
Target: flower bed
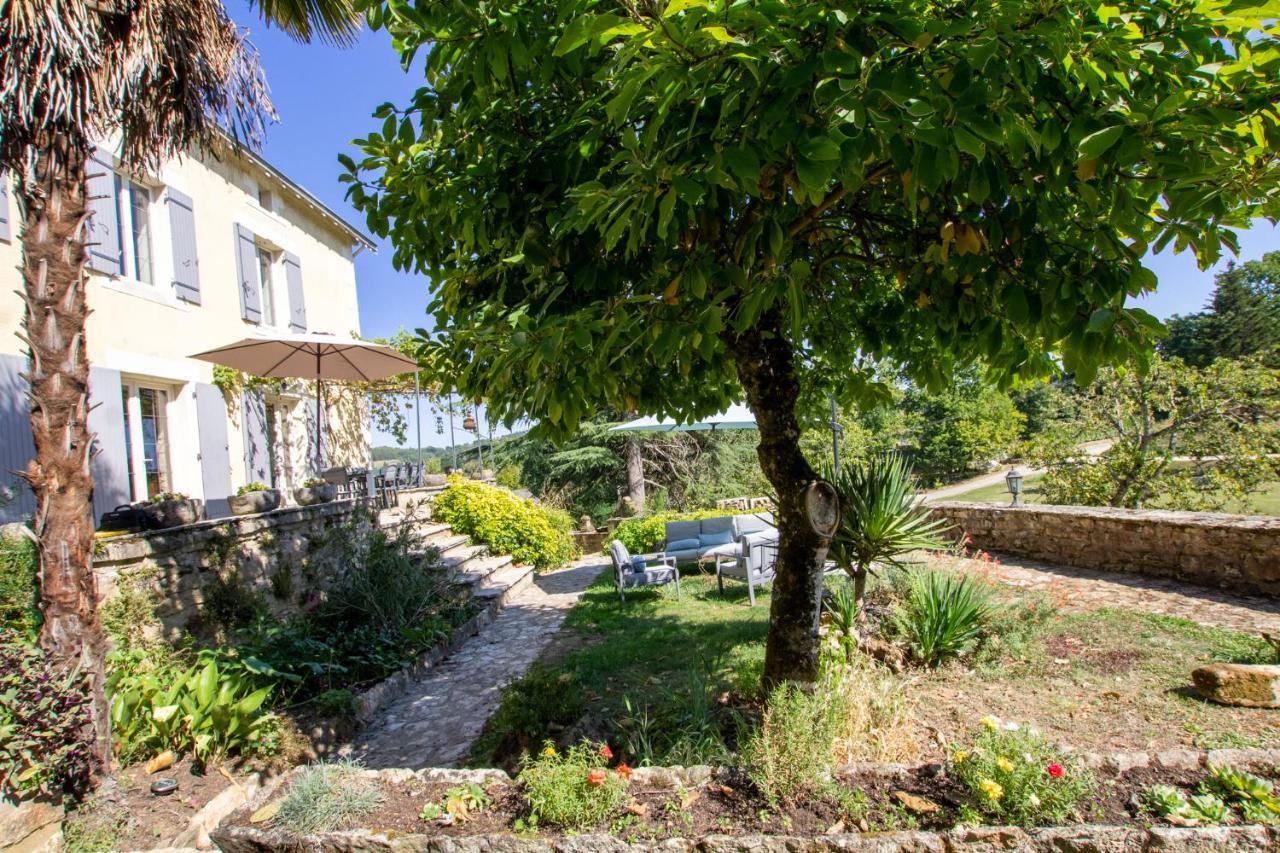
<point x="884" y="807"/>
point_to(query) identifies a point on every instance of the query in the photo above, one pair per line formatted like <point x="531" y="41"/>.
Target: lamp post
<point x="1014" y="481"/>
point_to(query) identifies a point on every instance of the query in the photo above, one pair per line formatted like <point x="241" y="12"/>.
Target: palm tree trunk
<point x="53" y="270"/>
<point x="764" y="360"/>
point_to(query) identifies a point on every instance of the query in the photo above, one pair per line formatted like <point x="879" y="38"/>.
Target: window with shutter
<point x="6" y="230"/>
<point x="297" y="299"/>
<point x="102" y="185"/>
<point x="247" y="268"/>
<point x="182" y="234"/>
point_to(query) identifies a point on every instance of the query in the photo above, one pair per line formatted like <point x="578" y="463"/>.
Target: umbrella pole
<point x="417" y="418"/>
<point x="452" y="445"/>
<point x="319" y="415"/>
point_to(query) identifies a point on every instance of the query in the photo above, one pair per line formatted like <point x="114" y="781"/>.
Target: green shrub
<point x="1224" y="787"/>
<point x="508" y="524"/>
<point x="255" y="486"/>
<point x="433" y="465"/>
<point x="1014" y="776"/>
<point x="943" y="616"/>
<point x="574" y="789"/>
<point x="789" y="756"/>
<point x="532" y="706"/>
<point x="211" y="709"/>
<point x="647" y="533"/>
<point x="327" y="796"/>
<point x="43" y="723"/>
<point x="508" y="476"/>
<point x="19" y="566"/>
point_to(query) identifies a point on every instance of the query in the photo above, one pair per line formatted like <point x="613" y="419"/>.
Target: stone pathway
<point x="434" y="724"/>
<point x="1089" y="589"/>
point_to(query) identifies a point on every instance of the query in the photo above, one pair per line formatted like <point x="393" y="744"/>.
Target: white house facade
<point x="202" y="253"/>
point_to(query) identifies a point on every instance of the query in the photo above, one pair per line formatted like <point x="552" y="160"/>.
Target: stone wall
<point x="1238" y="553"/>
<point x="276" y="557"/>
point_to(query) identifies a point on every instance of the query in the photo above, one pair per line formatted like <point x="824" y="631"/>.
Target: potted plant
<point x="315" y="491"/>
<point x="170" y="509"/>
<point x="253" y="498"/>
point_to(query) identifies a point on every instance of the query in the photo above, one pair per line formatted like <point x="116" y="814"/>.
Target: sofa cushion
<point x="718" y="524"/>
<point x="679" y="530"/>
<point x="752" y="523"/>
<point x="711" y="540"/>
<point x="684" y="545"/>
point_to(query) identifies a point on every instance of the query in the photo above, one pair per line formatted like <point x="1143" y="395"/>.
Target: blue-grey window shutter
<point x="102" y="188"/>
<point x="253" y="420"/>
<point x="110" y="465"/>
<point x="182" y="233"/>
<point x="6" y="229"/>
<point x="247" y="267"/>
<point x="315" y="428"/>
<point x="215" y="456"/>
<point x="16" y="446"/>
<point x="297" y="300"/>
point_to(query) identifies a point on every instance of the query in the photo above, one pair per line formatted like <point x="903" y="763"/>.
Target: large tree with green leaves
<point x="1241" y="319"/>
<point x="666" y="205"/>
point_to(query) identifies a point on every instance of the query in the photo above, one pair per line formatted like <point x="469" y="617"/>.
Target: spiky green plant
<point x="944" y="615"/>
<point x="842" y="606"/>
<point x="881" y="518"/>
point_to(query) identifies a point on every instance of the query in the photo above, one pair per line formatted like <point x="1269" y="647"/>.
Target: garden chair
<point x="633" y="572"/>
<point x="753" y="564"/>
<point x="385" y="483"/>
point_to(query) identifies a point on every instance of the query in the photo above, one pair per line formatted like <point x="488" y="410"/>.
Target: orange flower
<point x="596" y="777"/>
<point x="605" y="752"/>
<point x="624" y="771"/>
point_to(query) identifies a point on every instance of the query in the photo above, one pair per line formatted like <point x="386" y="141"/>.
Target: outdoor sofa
<point x="689" y="541"/>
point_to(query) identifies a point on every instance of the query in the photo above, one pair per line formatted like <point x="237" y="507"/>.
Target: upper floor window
<point x="135" y="216"/>
<point x="267" y="282"/>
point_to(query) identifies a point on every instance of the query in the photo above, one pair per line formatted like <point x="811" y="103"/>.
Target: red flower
<point x="624" y="771"/>
<point x="1055" y="770"/>
<point x="605" y="752"/>
<point x="596" y="777"/>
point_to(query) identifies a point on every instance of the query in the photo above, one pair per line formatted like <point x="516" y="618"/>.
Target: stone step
<point x="456" y="560"/>
<point x="448" y="544"/>
<point x="503" y="584"/>
<point x="476" y="570"/>
<point x="430" y="529"/>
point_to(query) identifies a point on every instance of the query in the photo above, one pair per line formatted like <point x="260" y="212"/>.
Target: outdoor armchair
<point x="641" y="571"/>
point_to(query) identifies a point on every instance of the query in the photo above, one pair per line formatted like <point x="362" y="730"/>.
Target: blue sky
<point x="325" y="97"/>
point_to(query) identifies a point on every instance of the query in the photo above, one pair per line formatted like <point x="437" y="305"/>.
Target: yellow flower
<point x="991" y="789"/>
<point x="1004" y="764"/>
<point x="959" y="756"/>
<point x="549" y="752"/>
<point x="991" y="723"/>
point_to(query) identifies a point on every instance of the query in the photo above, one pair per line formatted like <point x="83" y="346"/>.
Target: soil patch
<point x="1105" y="661"/>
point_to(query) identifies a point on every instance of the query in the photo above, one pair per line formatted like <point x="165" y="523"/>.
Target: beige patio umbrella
<point x="317" y="356"/>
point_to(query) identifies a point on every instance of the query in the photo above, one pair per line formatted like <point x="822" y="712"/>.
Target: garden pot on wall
<point x="254" y="502"/>
<point x="483" y="474"/>
<point x="435" y="480"/>
<point x="166" y="514"/>
<point x="311" y="495"/>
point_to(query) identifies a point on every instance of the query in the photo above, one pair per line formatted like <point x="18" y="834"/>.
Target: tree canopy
<point x="661" y="206"/>
<point x="1241" y="319"/>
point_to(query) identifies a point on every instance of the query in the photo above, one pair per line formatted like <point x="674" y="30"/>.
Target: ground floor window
<point x="146" y="439"/>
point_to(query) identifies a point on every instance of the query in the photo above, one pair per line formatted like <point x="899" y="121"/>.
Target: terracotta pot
<point x="311" y="495"/>
<point x="166" y="514"/>
<point x="435" y="480"/>
<point x="483" y="474"/>
<point x="469" y="423"/>
<point x="251" y="503"/>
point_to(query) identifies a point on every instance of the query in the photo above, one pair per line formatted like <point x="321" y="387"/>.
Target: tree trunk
<point x="635" y="474"/>
<point x="767" y="374"/>
<point x="53" y="262"/>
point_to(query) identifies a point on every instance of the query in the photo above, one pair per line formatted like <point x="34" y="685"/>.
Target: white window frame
<point x="274" y="294"/>
<point x="137" y="462"/>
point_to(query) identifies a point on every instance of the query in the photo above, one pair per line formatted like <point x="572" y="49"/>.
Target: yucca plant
<point x="842" y="606"/>
<point x="944" y="615"/>
<point x="881" y="518"/>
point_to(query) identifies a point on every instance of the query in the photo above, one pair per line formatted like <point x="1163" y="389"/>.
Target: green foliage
<point x="1015" y="776"/>
<point x="533" y="707"/>
<point x="166" y="497"/>
<point x="19" y="593"/>
<point x="681" y="726"/>
<point x="1242" y="318"/>
<point x="574" y="789"/>
<point x="255" y="486"/>
<point x="944" y="616"/>
<point x="327" y="796"/>
<point x="508" y="524"/>
<point x="1226" y="417"/>
<point x="43" y="720"/>
<point x="789" y="756"/>
<point x="212" y="709"/>
<point x="647" y="533"/>
<point x="314" y="482"/>
<point x="842" y="606"/>
<point x="881" y="516"/>
<point x="382" y="582"/>
<point x="508" y="476"/>
<point x="963" y="428"/>
<point x="459" y="804"/>
<point x="339" y="702"/>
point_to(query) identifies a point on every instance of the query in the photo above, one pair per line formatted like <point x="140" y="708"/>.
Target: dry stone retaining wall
<point x="273" y="555"/>
<point x="1234" y="552"/>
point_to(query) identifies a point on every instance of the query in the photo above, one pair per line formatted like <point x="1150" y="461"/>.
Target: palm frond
<point x="331" y="21"/>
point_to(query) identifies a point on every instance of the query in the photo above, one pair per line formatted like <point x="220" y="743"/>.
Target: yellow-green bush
<point x="506" y="523"/>
<point x="646" y="533"/>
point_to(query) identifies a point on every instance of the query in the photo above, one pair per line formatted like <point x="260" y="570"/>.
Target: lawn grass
<point x="1264" y="502"/>
<point x="654" y="668"/>
<point x="667" y="680"/>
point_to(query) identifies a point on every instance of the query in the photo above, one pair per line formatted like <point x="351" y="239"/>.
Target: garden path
<point x="1089" y="589"/>
<point x="435" y="722"/>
